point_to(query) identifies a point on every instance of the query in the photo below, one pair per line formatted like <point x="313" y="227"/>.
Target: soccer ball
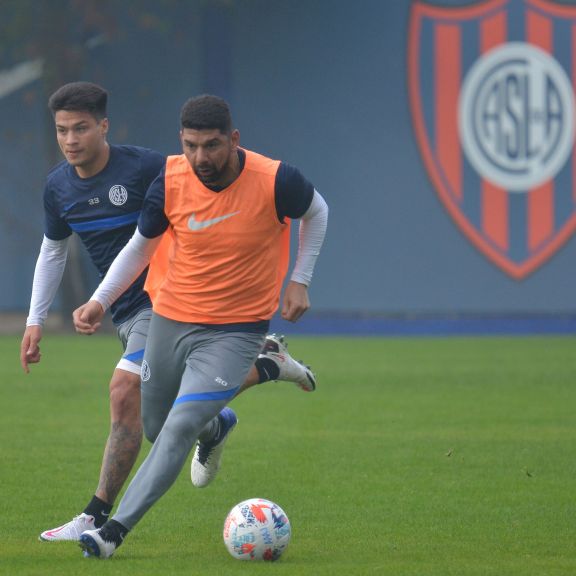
<point x="256" y="529"/>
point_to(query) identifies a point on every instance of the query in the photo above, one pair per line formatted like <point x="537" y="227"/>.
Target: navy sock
<point x="99" y="509"/>
<point x="113" y="531"/>
<point x="210" y="431"/>
<point x="267" y="370"/>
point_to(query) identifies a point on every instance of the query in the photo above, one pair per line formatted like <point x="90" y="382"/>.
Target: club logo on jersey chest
<point x="118" y="195"/>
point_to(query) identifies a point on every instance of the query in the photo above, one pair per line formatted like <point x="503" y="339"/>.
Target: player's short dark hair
<point x="206" y="112"/>
<point x="80" y="97"/>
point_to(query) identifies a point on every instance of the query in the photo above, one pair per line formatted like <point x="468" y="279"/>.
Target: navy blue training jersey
<point x="103" y="211"/>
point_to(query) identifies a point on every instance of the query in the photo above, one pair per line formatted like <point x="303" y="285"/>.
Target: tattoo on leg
<point x="121" y="451"/>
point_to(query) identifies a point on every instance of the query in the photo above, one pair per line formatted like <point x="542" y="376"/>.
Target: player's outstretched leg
<point x="275" y="352"/>
<point x="208" y="455"/>
<point x="70" y="531"/>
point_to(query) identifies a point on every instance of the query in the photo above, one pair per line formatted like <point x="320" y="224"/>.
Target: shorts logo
<point x="118" y="195"/>
<point x="220" y="381"/>
<point x="492" y="101"/>
<point x="145" y="371"/>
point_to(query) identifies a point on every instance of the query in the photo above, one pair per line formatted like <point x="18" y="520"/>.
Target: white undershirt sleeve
<point x="127" y="266"/>
<point x="47" y="277"/>
<point x="311" y="237"/>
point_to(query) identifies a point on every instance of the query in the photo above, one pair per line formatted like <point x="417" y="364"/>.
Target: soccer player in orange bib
<point x="97" y="192"/>
<point x="226" y="208"/>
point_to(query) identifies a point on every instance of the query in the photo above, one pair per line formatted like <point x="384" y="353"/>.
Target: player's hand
<point x="296" y="301"/>
<point x="29" y="349"/>
<point x="88" y="318"/>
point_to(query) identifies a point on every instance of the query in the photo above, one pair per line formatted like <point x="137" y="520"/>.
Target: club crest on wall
<point x="492" y="101"/>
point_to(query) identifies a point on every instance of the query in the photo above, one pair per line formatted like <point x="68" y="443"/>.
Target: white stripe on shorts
<point x="128" y="366"/>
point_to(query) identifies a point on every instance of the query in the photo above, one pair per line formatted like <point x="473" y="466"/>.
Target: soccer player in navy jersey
<point x="97" y="192"/>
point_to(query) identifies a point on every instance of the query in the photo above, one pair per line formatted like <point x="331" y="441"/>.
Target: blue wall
<point x="321" y="85"/>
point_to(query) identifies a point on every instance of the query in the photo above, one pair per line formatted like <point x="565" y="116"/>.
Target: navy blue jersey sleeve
<point x="152" y="164"/>
<point x="152" y="221"/>
<point x="55" y="227"/>
<point x="293" y="193"/>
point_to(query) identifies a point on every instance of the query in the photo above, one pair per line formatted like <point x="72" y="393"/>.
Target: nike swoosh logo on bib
<point x="195" y="225"/>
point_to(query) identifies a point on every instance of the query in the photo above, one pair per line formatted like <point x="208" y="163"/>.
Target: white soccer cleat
<point x="94" y="543"/>
<point x="208" y="455"/>
<point x="69" y="532"/>
<point x="291" y="370"/>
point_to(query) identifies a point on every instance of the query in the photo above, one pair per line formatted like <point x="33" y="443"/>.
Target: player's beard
<point x="208" y="174"/>
<point x="211" y="176"/>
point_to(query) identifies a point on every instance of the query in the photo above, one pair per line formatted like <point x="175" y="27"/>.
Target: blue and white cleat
<point x="208" y="455"/>
<point x="97" y="543"/>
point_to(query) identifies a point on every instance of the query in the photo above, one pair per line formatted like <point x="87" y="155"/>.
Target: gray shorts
<point x="188" y="363"/>
<point x="133" y="334"/>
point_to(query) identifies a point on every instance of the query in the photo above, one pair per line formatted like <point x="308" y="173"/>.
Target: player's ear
<point x="235" y="137"/>
<point x="104" y="125"/>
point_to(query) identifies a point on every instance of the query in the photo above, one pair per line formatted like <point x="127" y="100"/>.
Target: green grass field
<point x="415" y="457"/>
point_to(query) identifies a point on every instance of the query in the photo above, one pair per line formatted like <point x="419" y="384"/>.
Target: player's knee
<point x="187" y="422"/>
<point x="180" y="423"/>
<point x="125" y="398"/>
<point x="155" y="410"/>
<point x="152" y="427"/>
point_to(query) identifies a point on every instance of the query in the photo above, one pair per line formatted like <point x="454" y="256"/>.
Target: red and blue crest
<point x="492" y="101"/>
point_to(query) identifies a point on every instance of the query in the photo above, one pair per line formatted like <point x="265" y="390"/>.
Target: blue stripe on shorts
<point x="138" y="355"/>
<point x="204" y="396"/>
